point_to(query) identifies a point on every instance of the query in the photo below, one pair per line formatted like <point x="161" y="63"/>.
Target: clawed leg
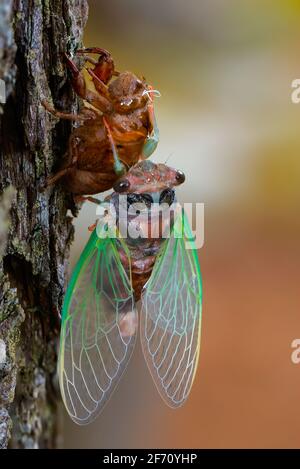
<point x="81" y="198"/>
<point x="104" y="67"/>
<point x="153" y="137"/>
<point x="85" y="114"/>
<point x="73" y="152"/>
<point x="98" y="70"/>
<point x="93" y="226"/>
<point x="119" y="167"/>
<point x="53" y="179"/>
<point x="100" y="102"/>
<point x="100" y="86"/>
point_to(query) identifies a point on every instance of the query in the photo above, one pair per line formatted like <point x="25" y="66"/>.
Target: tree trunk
<point x="35" y="231"/>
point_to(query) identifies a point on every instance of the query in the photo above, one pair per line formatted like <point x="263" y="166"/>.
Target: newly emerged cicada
<point x="115" y="132"/>
<point x="141" y="258"/>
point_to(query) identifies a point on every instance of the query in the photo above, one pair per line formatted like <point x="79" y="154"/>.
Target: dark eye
<point x="167" y="197"/>
<point x="180" y="177"/>
<point x="145" y="199"/>
<point x="122" y="185"/>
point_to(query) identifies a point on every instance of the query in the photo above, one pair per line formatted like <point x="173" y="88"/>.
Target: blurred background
<point x="224" y="69"/>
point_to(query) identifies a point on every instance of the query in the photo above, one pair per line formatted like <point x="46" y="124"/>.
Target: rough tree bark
<point x="35" y="231"/>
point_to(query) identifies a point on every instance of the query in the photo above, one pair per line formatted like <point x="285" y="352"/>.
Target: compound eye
<point x="121" y="186"/>
<point x="167" y="197"/>
<point x="180" y="177"/>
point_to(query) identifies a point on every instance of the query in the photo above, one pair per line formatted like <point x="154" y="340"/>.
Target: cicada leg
<point x="53" y="179"/>
<point x="99" y="84"/>
<point x="153" y="138"/>
<point x="85" y="114"/>
<point x="92" y="227"/>
<point x="104" y="67"/>
<point x="100" y="102"/>
<point x="81" y="198"/>
<point x="73" y="153"/>
<point x="119" y="167"/>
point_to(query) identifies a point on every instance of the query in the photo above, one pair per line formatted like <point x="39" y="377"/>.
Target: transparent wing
<point x="171" y="316"/>
<point x="98" y="329"/>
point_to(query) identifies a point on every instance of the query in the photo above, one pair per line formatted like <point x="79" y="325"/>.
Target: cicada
<point x="116" y="130"/>
<point x="145" y="278"/>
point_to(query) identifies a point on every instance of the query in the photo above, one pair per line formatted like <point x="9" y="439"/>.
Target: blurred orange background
<point x="224" y="69"/>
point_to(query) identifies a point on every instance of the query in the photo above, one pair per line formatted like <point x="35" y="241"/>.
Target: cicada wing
<point x="98" y="329"/>
<point x="171" y="316"/>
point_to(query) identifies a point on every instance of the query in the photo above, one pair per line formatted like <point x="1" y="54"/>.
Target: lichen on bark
<point x="35" y="231"/>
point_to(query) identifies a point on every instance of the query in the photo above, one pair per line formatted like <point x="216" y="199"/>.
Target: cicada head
<point x="146" y="196"/>
<point x="148" y="177"/>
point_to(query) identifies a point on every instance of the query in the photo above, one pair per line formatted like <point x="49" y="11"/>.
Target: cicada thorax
<point x="144" y="225"/>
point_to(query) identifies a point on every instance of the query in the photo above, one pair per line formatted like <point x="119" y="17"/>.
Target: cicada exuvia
<point x="114" y="274"/>
<point x="116" y="131"/>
